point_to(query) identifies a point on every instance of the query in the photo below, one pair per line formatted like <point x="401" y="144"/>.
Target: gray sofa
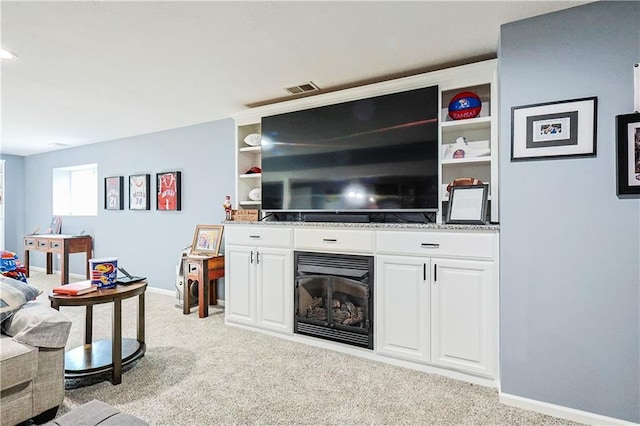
<point x="32" y="363"/>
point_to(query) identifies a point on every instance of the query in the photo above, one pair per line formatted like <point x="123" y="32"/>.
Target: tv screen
<point x="378" y="153"/>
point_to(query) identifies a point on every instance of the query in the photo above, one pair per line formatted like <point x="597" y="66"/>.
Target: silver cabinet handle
<point x="255" y="237"/>
<point x="329" y="240"/>
<point x="430" y="245"/>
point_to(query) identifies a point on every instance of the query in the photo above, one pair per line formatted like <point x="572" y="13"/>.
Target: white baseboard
<point x="560" y="411"/>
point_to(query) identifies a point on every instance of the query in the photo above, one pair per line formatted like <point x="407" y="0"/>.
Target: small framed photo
<point x="139" y="192"/>
<point x="554" y="129"/>
<point x="168" y="191"/>
<point x="114" y="193"/>
<point x="207" y="240"/>
<point x="468" y="204"/>
<point x="628" y="135"/>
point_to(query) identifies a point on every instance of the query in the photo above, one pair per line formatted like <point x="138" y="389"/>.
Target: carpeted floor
<point x="201" y="372"/>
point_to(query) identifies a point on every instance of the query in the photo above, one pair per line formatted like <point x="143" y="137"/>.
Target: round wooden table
<point x="104" y="355"/>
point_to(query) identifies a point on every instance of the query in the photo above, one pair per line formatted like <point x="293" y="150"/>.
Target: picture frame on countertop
<point x="468" y="205"/>
<point x="114" y="193"/>
<point x="207" y="240"/>
<point x="168" y="191"/>
<point x="139" y="186"/>
<point x="628" y="147"/>
<point x="560" y="129"/>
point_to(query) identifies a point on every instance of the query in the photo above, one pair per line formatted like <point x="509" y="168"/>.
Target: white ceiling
<point x="95" y="71"/>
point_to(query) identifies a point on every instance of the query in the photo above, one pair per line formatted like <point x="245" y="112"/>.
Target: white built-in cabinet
<point x="436" y="299"/>
<point x="481" y="132"/>
<point x="2" y="236"/>
<point x="435" y="289"/>
<point x="262" y="275"/>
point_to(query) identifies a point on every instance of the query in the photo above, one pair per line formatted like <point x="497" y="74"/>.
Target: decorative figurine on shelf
<point x="227" y="207"/>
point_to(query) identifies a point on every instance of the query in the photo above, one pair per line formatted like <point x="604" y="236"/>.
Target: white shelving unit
<point x="479" y="78"/>
<point x="2" y="246"/>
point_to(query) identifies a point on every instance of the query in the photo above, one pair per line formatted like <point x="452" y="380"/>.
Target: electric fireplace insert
<point x="334" y="297"/>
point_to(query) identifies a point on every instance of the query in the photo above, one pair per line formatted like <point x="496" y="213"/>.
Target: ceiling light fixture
<point x="5" y="54"/>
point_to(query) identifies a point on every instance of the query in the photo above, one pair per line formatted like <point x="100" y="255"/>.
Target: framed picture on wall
<point x="114" y="193"/>
<point x="139" y="192"/>
<point x="168" y="188"/>
<point x="628" y="167"/>
<point x="554" y="129"/>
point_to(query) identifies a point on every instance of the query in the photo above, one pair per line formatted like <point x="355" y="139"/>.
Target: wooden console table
<point x="205" y="270"/>
<point x="94" y="358"/>
<point x="58" y="243"/>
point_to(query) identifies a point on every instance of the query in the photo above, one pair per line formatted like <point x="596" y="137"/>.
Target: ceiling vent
<point x="302" y="88"/>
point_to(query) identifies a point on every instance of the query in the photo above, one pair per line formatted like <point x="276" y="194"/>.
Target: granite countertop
<point x="370" y="225"/>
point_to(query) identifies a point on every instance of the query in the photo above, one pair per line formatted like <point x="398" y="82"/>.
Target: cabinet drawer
<point x="30" y="243"/>
<point x="43" y="244"/>
<point x="334" y="240"/>
<point x="55" y="245"/>
<point x="445" y="244"/>
<point x="257" y="236"/>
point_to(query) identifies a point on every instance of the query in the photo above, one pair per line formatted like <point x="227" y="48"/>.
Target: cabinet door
<point x="274" y="289"/>
<point x="402" y="307"/>
<point x="240" y="299"/>
<point x="463" y="326"/>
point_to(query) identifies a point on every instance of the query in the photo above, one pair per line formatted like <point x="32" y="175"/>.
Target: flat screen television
<point x="373" y="154"/>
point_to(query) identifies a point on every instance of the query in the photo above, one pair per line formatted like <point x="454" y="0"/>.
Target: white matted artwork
<point x="554" y="129"/>
<point x="468" y="204"/>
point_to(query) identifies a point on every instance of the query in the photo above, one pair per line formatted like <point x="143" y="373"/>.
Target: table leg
<point x="64" y="266"/>
<point x="203" y="289"/>
<point x="141" y="318"/>
<point x="186" y="308"/>
<point x="88" y="325"/>
<point x="50" y="264"/>
<point x="213" y="291"/>
<point x="116" y="347"/>
<point x="87" y="257"/>
<point x="26" y="262"/>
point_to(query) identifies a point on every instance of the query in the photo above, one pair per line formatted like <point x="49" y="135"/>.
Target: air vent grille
<point x="302" y="88"/>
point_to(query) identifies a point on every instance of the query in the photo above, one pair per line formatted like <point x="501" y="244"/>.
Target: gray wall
<point x="145" y="242"/>
<point x="13" y="202"/>
<point x="570" y="274"/>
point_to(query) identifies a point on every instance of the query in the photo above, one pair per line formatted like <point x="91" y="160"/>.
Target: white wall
<point x="146" y="242"/>
<point x="570" y="258"/>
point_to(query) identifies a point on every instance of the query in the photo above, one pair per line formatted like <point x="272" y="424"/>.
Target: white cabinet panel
<point x="328" y="239"/>
<point x="274" y="289"/>
<point x="402" y="307"/>
<point x="462" y="316"/>
<point x="240" y="291"/>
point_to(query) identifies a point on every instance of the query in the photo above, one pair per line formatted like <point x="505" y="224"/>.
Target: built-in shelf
<point x="250" y="176"/>
<point x="250" y="203"/>
<point x="461" y="161"/>
<point x="256" y="149"/>
<point x="480" y="122"/>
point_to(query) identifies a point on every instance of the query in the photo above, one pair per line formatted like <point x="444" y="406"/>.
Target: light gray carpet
<point x="201" y="372"/>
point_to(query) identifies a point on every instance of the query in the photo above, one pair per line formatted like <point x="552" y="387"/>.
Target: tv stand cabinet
<point x="435" y="289"/>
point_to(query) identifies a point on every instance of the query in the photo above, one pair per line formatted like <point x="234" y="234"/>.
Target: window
<point x="75" y="190"/>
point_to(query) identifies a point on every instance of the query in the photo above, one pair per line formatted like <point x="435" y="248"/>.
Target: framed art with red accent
<point x="139" y="192"/>
<point x="168" y="191"/>
<point x="628" y="134"/>
<point x="114" y="193"/>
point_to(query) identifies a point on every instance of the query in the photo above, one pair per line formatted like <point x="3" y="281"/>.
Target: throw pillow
<point x="13" y="295"/>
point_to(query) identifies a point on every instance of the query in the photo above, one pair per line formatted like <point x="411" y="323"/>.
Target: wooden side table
<point x="204" y="271"/>
<point x="97" y="357"/>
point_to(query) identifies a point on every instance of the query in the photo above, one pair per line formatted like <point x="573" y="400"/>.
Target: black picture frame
<point x="114" y="193"/>
<point x="551" y="130"/>
<point x="468" y="205"/>
<point x="628" y="147"/>
<point x="139" y="195"/>
<point x="169" y="191"/>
